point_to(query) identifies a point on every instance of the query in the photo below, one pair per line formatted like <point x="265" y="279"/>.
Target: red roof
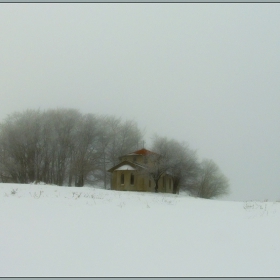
<point x="143" y="152"/>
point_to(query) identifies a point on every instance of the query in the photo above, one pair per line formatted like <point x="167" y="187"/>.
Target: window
<point x="122" y="178"/>
<point x="131" y="179"/>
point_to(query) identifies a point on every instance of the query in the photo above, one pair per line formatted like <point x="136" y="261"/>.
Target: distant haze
<point x="207" y="74"/>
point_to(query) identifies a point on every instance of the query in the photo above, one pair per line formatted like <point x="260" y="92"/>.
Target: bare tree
<point x="211" y="182"/>
<point x="157" y="166"/>
<point x="116" y="138"/>
<point x="62" y="146"/>
<point x="174" y="158"/>
<point x="19" y="138"/>
<point x="84" y="156"/>
<point x="63" y="127"/>
<point x="183" y="165"/>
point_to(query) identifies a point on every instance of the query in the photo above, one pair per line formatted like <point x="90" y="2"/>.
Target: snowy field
<point x="62" y="231"/>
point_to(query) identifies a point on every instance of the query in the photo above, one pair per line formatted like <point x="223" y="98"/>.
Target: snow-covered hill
<point x="62" y="231"/>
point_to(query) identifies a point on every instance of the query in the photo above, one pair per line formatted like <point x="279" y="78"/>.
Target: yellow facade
<point x="129" y="176"/>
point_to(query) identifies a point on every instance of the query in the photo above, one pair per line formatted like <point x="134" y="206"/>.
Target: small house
<point x="132" y="174"/>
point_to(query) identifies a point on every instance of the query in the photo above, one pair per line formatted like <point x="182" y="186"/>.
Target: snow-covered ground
<point x="62" y="231"/>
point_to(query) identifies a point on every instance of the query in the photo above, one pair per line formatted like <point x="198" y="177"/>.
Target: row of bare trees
<point x="63" y="146"/>
<point x="203" y="179"/>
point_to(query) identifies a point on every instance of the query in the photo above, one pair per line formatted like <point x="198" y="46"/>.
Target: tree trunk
<point x="156" y="187"/>
<point x="80" y="180"/>
<point x="70" y="179"/>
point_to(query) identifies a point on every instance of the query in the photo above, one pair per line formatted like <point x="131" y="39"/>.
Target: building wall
<point x="142" y="182"/>
<point x="165" y="184"/>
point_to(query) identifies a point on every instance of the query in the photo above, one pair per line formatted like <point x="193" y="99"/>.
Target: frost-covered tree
<point x="63" y="147"/>
<point x="116" y="138"/>
<point x="63" y="125"/>
<point x="53" y="146"/>
<point x="84" y="156"/>
<point x="20" y="154"/>
<point x="211" y="182"/>
<point x="174" y="158"/>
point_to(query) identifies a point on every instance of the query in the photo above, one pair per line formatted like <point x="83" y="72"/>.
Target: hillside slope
<point x="62" y="231"/>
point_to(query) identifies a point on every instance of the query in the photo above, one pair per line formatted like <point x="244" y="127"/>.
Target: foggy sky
<point x="207" y="74"/>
